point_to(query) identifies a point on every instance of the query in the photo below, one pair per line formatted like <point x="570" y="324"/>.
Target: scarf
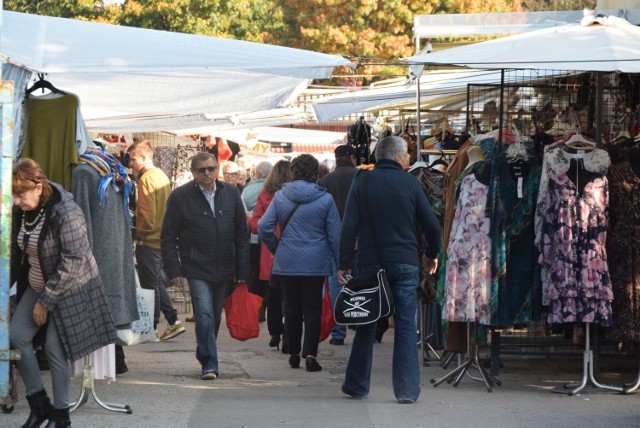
<point x="113" y="174"/>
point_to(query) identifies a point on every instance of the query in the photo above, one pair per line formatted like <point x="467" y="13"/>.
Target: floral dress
<point x="574" y="257"/>
<point x="555" y="161"/>
<point x="468" y="270"/>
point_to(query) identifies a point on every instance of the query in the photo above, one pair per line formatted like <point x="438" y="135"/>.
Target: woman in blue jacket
<point x="303" y="254"/>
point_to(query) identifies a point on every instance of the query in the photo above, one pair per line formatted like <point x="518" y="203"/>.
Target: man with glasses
<point x="205" y="241"/>
<point x="153" y="191"/>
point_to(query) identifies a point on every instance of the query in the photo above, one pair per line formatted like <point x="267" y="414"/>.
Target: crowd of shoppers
<point x="287" y="230"/>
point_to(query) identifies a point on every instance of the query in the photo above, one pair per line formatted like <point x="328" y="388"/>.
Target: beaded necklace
<point x="30" y="226"/>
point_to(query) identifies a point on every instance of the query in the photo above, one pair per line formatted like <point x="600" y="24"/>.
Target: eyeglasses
<point x="230" y="174"/>
<point x="204" y="169"/>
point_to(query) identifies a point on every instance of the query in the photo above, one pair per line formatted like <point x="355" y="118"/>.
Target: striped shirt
<point x="36" y="278"/>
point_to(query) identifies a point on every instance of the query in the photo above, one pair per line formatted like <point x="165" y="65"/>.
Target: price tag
<point x="520" y="187"/>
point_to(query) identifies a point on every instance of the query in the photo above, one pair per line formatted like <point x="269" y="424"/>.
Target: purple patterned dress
<point x="574" y="236"/>
<point x="468" y="269"/>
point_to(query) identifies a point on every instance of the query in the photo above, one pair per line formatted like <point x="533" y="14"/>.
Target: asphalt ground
<point x="257" y="388"/>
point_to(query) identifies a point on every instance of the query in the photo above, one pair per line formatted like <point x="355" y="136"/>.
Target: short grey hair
<point x="263" y="169"/>
<point x="390" y="147"/>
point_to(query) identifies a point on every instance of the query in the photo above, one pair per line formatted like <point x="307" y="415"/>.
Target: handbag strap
<point x="295" y="208"/>
<point x="374" y="235"/>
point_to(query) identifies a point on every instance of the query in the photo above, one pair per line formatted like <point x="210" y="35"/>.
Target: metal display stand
<point x="587" y="369"/>
<point x="423" y="343"/>
<point x="633" y="387"/>
<point x="88" y="387"/>
<point x="472" y="361"/>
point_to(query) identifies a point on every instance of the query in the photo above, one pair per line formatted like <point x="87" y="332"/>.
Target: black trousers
<point x="302" y="305"/>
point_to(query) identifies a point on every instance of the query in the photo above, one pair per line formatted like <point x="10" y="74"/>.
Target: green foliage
<point x="87" y="10"/>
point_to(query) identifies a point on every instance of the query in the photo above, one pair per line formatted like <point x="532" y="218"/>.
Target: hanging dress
<point x="515" y="272"/>
<point x="574" y="257"/>
<point x="468" y="270"/>
<point x="623" y="248"/>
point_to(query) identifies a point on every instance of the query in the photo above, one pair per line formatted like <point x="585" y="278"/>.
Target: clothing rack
<point x="88" y="388"/>
<point x="455" y="376"/>
<point x="587" y="370"/>
<point x="423" y="343"/>
<point x="438" y="152"/>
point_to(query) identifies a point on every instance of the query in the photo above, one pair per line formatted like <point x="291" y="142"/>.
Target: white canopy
<point x="596" y="44"/>
<point x="284" y="135"/>
<point x="440" y="89"/>
<point x="131" y="72"/>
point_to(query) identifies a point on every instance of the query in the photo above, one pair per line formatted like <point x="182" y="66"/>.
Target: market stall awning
<point x="439" y="89"/>
<point x="595" y="44"/>
<point x="120" y="73"/>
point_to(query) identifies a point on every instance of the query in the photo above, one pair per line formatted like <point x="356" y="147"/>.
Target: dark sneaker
<point x="355" y="397"/>
<point x="312" y="364"/>
<point x="336" y="341"/>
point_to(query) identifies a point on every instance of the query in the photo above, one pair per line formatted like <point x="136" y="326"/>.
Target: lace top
<point x="556" y="161"/>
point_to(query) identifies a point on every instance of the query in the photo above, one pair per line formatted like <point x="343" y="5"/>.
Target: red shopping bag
<point x="327" y="321"/>
<point x="241" y="310"/>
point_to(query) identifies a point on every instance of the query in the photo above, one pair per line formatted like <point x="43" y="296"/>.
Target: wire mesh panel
<point x="556" y="104"/>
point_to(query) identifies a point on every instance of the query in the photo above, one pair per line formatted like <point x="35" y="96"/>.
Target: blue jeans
<point x="404" y="280"/>
<point x="208" y="301"/>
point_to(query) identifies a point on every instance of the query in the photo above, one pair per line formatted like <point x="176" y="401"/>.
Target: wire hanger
<point x="43" y="84"/>
<point x="579" y="142"/>
<point x="439" y="161"/>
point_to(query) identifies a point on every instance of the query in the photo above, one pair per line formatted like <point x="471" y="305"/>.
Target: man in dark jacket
<point x="338" y="184"/>
<point x="205" y="240"/>
<point x="390" y="203"/>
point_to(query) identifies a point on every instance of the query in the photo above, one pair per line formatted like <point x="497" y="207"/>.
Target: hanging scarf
<point x="113" y="173"/>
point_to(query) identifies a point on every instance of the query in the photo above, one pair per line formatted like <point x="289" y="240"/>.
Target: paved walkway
<point x="258" y="389"/>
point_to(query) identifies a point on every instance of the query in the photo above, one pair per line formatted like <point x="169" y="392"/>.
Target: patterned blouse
<point x="557" y="160"/>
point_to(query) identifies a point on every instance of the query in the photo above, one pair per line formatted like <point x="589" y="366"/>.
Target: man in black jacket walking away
<point x="384" y="207"/>
<point x="205" y="240"/>
<point x="338" y="184"/>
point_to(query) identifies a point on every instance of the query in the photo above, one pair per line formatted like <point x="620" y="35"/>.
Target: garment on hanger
<point x="515" y="273"/>
<point x="83" y="139"/>
<point x="623" y="250"/>
<point x="432" y="182"/>
<point x="557" y="160"/>
<point x="182" y="166"/>
<point x="456" y="332"/>
<point x="573" y="255"/>
<point x="467" y="294"/>
<point x="110" y="239"/>
<point x="50" y="139"/>
<point x="164" y="157"/>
